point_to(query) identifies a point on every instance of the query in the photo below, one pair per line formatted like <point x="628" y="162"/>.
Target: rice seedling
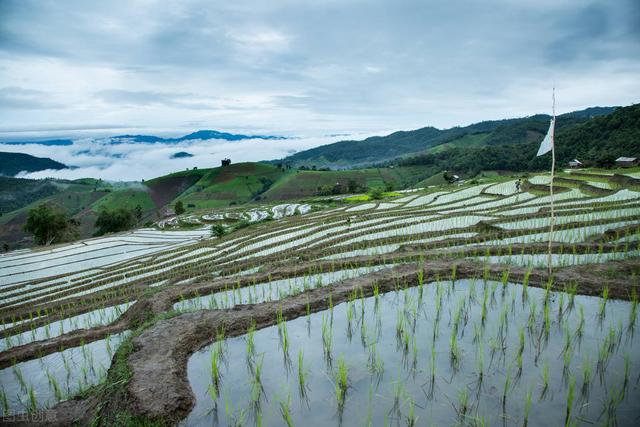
<point x="627" y="369"/>
<point x="18" y="373"/>
<point x="302" y="374"/>
<point x="463" y="403"/>
<point x="4" y="401"/>
<point x="215" y="366"/>
<point x="507" y="386"/>
<point x="285" y="410"/>
<point x="603" y="302"/>
<point x="545" y="380"/>
<point x="633" y="313"/>
<point x="527" y="407"/>
<point x="570" y="397"/>
<point x="342" y="375"/>
<point x="33" y="401"/>
<point x="586" y="379"/>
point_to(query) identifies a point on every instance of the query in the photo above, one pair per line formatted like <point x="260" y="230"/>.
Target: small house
<point x="225" y="162"/>
<point x="627" y="162"/>
<point x="575" y="163"/>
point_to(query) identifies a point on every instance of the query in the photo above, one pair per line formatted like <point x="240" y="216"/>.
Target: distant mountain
<point x="151" y="139"/>
<point x="181" y="155"/>
<point x="199" y="135"/>
<point x="381" y="149"/>
<point x="40" y="142"/>
<point x="595" y="142"/>
<point x="13" y="163"/>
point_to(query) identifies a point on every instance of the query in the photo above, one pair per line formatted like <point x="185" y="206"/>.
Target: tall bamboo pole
<point x="553" y="168"/>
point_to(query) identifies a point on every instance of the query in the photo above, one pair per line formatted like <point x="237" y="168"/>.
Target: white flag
<point x="547" y="142"/>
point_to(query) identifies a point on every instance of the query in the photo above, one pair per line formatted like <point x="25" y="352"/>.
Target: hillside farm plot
<point x="435" y="306"/>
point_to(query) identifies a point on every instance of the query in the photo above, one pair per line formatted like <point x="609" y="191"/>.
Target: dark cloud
<point x="360" y="64"/>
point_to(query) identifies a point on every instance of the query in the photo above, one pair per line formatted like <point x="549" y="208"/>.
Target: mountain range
<point x="151" y="139"/>
<point x="401" y="144"/>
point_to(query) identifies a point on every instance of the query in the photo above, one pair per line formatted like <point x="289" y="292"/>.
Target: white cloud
<point x="132" y="162"/>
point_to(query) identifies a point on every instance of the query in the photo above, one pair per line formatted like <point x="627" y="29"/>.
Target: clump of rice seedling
<point x="545" y="380"/>
<point x="215" y="366"/>
<point x="251" y="347"/>
<point x="411" y="415"/>
<point x="611" y="407"/>
<point x="627" y="369"/>
<point x="527" y="407"/>
<point x="581" y="322"/>
<point x="633" y="313"/>
<point x="603" y="302"/>
<point x="572" y="384"/>
<point x="507" y="386"/>
<point x="327" y="338"/>
<point x="302" y="374"/>
<point x="586" y="378"/>
<point x="341" y="382"/>
<point x="566" y="363"/>
<point x="285" y="411"/>
<point x="33" y="401"/>
<point x="454" y="352"/>
<point x="463" y="402"/>
<point x="18" y="373"/>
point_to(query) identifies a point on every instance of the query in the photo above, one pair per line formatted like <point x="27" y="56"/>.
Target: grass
<point x="367" y="197"/>
<point x="126" y="199"/>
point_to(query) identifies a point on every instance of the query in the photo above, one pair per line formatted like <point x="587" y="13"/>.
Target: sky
<point x="306" y="68"/>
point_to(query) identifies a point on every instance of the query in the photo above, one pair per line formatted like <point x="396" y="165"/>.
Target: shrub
<point x="179" y="207"/>
<point x="376" y="193"/>
<point x="49" y="224"/>
<point x="218" y="230"/>
<point x="114" y="221"/>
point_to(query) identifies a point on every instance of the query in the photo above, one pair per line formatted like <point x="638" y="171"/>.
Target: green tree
<point x="352" y="186"/>
<point x="218" y="230"/>
<point x="137" y="211"/>
<point x="179" y="207"/>
<point x="48" y="224"/>
<point x="376" y="193"/>
<point x="113" y="221"/>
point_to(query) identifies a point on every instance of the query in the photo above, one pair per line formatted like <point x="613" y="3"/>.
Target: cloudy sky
<point x="298" y="66"/>
<point x="306" y="68"/>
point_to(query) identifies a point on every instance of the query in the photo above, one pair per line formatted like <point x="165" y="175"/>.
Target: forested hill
<point x="13" y="163"/>
<point x="595" y="142"/>
<point x="379" y="149"/>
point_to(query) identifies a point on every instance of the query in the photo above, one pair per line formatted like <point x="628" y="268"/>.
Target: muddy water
<point x="404" y="385"/>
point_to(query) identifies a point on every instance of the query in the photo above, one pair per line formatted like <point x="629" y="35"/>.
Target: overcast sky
<point x="308" y="67"/>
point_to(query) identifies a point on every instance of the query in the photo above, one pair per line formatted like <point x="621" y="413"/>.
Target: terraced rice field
<point x="432" y="307"/>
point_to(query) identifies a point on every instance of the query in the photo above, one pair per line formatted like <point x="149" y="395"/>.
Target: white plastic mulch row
<point x="100" y="317"/>
<point x="409" y="230"/>
<point x="565" y="219"/>
<point x="503" y="189"/>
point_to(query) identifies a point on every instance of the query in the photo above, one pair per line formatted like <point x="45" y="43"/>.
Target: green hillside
<point x="14" y="163"/>
<point x="229" y="185"/>
<point x="596" y="142"/>
<point x="127" y="199"/>
<point x="304" y="183"/>
<point x="380" y="149"/>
